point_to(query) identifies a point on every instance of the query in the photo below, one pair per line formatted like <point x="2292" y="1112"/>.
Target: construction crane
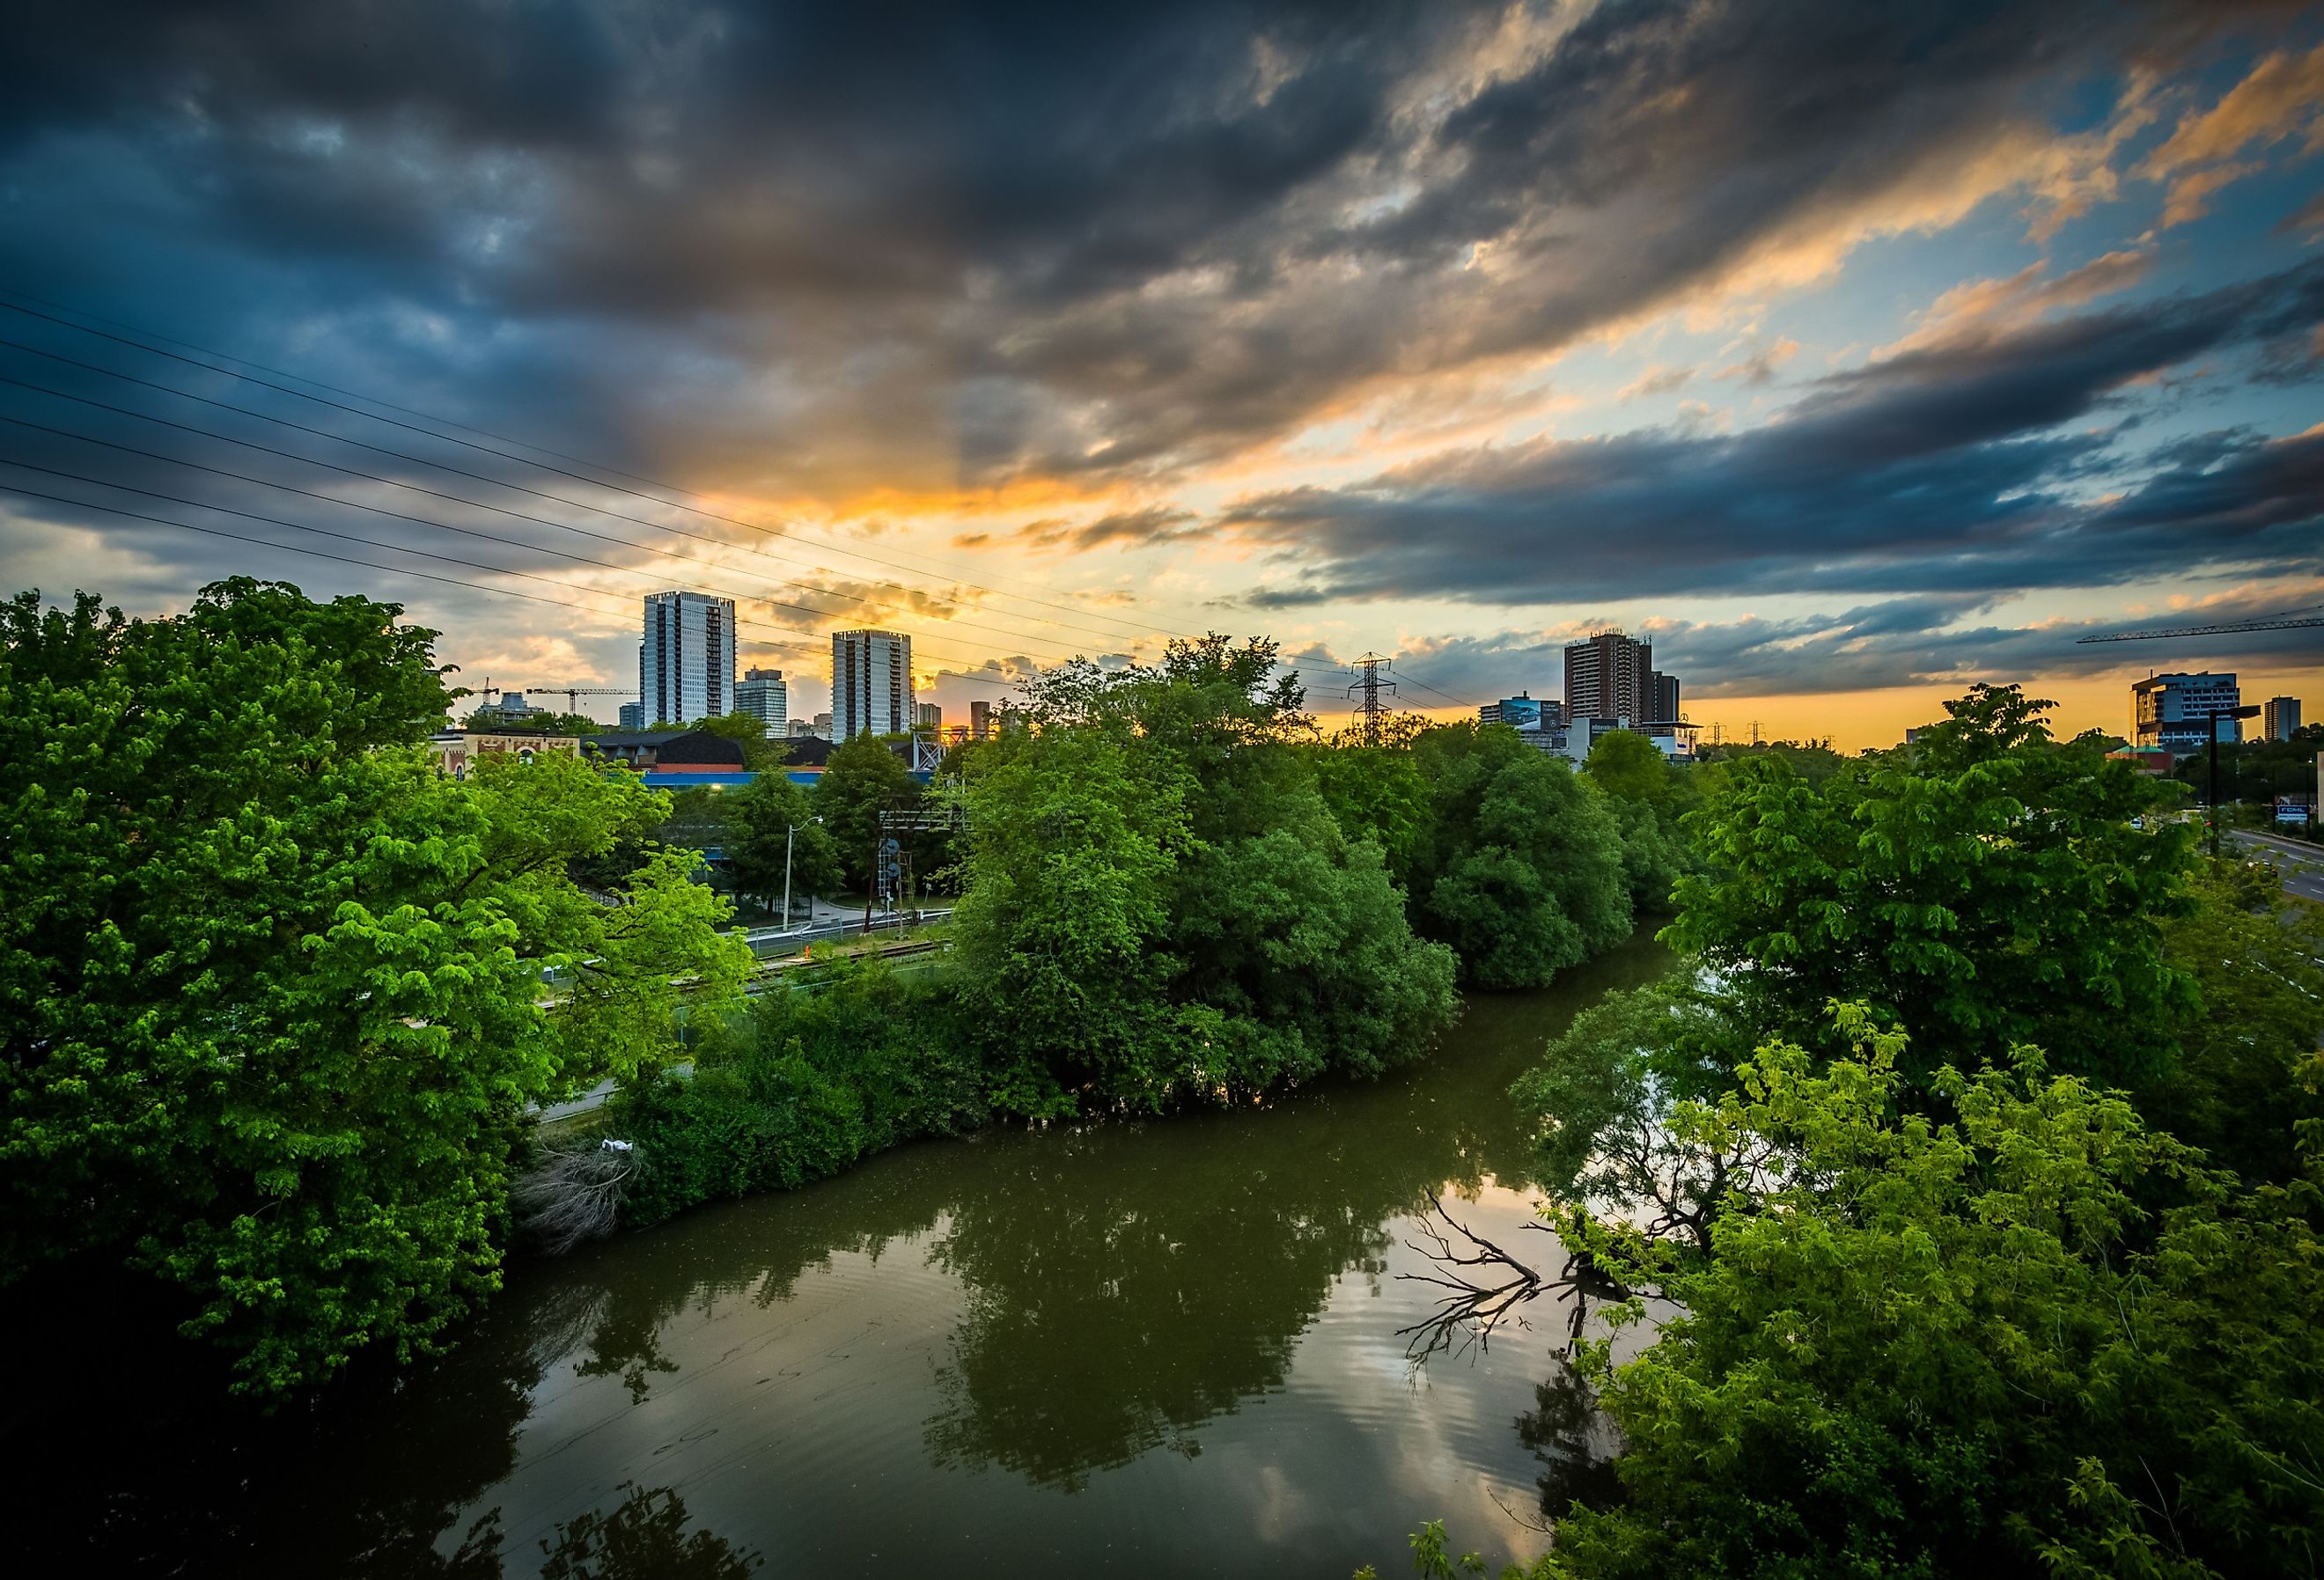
<point x="2225" y="629"/>
<point x="572" y="693"/>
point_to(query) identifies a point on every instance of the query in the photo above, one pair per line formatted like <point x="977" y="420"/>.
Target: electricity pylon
<point x="1371" y="685"/>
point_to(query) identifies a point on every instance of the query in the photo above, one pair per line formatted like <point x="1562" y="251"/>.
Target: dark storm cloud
<point x="1945" y="468"/>
<point x="1076" y="239"/>
<point x="1895" y="641"/>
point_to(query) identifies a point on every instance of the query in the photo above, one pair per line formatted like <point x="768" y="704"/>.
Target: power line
<point x="433" y="493"/>
<point x="524" y="460"/>
<point x="24" y="493"/>
<point x="1134" y="628"/>
<point x="1017" y="637"/>
<point x="487" y="449"/>
<point x="368" y="543"/>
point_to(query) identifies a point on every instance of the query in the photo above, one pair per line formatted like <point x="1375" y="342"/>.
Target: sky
<point x="1850" y="354"/>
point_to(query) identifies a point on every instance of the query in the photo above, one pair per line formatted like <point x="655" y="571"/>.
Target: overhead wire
<point x="1133" y="628"/>
<point x="784" y="641"/>
<point x="435" y="493"/>
<point x="460" y="472"/>
<point x="444" y="421"/>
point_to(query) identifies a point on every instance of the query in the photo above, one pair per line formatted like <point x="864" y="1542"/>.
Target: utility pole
<point x="1371" y="685"/>
<point x="2213" y="718"/>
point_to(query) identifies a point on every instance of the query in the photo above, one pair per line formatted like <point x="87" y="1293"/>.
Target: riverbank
<point x="1122" y="1346"/>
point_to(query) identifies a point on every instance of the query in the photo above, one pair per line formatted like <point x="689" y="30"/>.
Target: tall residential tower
<point x="871" y="684"/>
<point x="1610" y="675"/>
<point x="686" y="665"/>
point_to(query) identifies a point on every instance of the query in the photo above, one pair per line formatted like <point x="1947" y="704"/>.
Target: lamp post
<point x="2213" y="718"/>
<point x="789" y="829"/>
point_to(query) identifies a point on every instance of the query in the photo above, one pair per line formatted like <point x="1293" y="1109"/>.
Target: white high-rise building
<point x="871" y="684"/>
<point x="763" y="694"/>
<point x="686" y="665"/>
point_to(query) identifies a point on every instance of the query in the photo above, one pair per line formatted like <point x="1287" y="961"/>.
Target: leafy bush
<point x="810" y="1081"/>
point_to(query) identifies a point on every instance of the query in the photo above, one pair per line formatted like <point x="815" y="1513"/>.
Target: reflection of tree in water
<point x="1126" y="1283"/>
<point x="1575" y="1442"/>
<point x="644" y="1537"/>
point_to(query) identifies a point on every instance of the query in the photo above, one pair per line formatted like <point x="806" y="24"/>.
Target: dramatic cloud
<point x="1324" y="310"/>
<point x="1943" y="465"/>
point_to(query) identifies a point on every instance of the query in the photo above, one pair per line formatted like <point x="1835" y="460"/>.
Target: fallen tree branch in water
<point x="573" y="1194"/>
<point x="1472" y="1309"/>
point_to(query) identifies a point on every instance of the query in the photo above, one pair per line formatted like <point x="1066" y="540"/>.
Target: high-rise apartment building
<point x="980" y="720"/>
<point x="633" y="715"/>
<point x="2175" y="711"/>
<point x="763" y="694"/>
<point x="931" y="717"/>
<point x="871" y="684"/>
<point x="1661" y="691"/>
<point x="1609" y="676"/>
<point x="2280" y="718"/>
<point x="686" y="665"/>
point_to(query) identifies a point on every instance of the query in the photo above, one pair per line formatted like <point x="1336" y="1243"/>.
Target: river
<point x="1164" y="1348"/>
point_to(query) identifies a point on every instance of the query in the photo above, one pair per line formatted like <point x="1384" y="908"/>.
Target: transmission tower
<point x="1369" y="686"/>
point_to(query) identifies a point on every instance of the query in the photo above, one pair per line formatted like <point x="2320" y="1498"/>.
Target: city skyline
<point x="1886" y="355"/>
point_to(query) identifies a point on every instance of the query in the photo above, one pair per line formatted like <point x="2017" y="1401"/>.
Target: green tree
<point x="1160" y="907"/>
<point x="1377" y="793"/>
<point x="274" y="989"/>
<point x="774" y="832"/>
<point x="2249" y="1067"/>
<point x="862" y="779"/>
<point x="760" y="754"/>
<point x="1985" y="889"/>
<point x="491" y="721"/>
<point x="1520" y="870"/>
<point x="2040" y="1335"/>
<point x="1648" y="795"/>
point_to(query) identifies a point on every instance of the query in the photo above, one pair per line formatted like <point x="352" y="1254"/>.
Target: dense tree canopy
<point x="1985" y="889"/>
<point x="2039" y="1335"/>
<point x="1520" y="867"/>
<point x="274" y="988"/>
<point x="1159" y="905"/>
<point x="862" y="777"/>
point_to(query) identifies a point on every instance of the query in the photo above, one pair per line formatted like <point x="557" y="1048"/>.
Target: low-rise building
<point x="668" y="751"/>
<point x="1524" y="711"/>
<point x="2156" y="762"/>
<point x="457" y="751"/>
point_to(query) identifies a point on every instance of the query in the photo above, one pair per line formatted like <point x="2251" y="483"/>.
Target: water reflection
<point x="1169" y="1346"/>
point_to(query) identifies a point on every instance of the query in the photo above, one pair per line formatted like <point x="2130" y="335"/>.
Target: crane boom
<point x="2228" y="629"/>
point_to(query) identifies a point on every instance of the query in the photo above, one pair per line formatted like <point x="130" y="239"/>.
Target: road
<point x="2303" y="865"/>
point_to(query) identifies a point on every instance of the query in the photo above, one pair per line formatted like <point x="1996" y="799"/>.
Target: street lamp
<point x="2213" y="718"/>
<point x="788" y="830"/>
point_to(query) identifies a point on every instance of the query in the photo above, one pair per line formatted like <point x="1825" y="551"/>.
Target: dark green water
<point x="1147" y="1349"/>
